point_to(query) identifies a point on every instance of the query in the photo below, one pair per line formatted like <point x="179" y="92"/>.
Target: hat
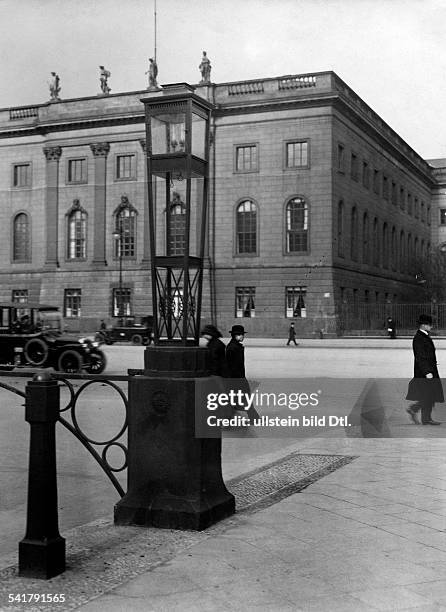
<point x="237" y="330"/>
<point x="211" y="330"/>
<point x="424" y="319"/>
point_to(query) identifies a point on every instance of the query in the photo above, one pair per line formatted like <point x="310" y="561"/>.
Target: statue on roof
<point x="54" y="85"/>
<point x="205" y="69"/>
<point x="104" y="76"/>
<point x="153" y="73"/>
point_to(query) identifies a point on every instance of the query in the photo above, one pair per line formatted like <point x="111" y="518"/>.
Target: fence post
<point x="42" y="551"/>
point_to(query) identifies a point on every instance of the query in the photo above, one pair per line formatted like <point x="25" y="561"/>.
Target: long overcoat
<point x="235" y="359"/>
<point x="425" y="362"/>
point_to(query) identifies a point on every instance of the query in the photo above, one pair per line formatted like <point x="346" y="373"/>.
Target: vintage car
<point x="129" y="329"/>
<point x="31" y="336"/>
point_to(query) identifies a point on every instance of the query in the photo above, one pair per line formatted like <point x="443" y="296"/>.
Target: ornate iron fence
<point x="372" y="317"/>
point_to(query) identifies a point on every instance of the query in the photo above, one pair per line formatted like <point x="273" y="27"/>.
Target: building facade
<point x="314" y="201"/>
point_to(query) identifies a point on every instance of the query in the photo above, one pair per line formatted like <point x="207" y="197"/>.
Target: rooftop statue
<point x="105" y="74"/>
<point x="205" y="69"/>
<point x="153" y="73"/>
<point x="54" y="87"/>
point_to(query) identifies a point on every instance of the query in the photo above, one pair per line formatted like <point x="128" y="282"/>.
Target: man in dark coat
<point x="425" y="387"/>
<point x="217" y="350"/>
<point x="291" y="335"/>
<point x="391" y="328"/>
<point x="235" y="362"/>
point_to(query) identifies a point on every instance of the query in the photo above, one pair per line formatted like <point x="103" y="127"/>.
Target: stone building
<point x="314" y="201"/>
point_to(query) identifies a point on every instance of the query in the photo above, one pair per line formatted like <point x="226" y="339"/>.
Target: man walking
<point x="292" y="335"/>
<point x="425" y="387"/>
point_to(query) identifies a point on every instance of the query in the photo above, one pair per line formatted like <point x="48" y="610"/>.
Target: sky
<point x="392" y="53"/>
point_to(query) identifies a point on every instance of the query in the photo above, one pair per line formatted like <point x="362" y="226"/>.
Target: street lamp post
<point x="174" y="472"/>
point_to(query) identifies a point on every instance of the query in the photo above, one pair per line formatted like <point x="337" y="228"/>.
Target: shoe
<point x="431" y="422"/>
<point x="413" y="415"/>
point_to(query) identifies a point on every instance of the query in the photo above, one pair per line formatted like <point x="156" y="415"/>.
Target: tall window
<point x="354" y="167"/>
<point x="416" y="208"/>
<point x="20" y="296"/>
<point x="423" y="212"/>
<point x="296" y="226"/>
<point x="409" y="203"/>
<point x="365" y="175"/>
<point x="246" y="158"/>
<point x="176" y="230"/>
<point x="354" y="234"/>
<point x="402" y="257"/>
<point x="297" y="154"/>
<point x="125" y="167"/>
<point x="394" y="194"/>
<point x="365" y="238"/>
<point x="341" y="229"/>
<point x="375" y="245"/>
<point x="77" y="170"/>
<point x="385" y="246"/>
<point x="122" y="302"/>
<point x="77" y="234"/>
<point x="72" y="303"/>
<point x="409" y="249"/>
<point x="402" y="198"/>
<point x="385" y="187"/>
<point x="376" y="181"/>
<point x="125" y="228"/>
<point x="295" y="298"/>
<point x="341" y="158"/>
<point x="393" y="249"/>
<point x="245" y="302"/>
<point x="246" y="227"/>
<point x="21" y="246"/>
<point x="21" y="175"/>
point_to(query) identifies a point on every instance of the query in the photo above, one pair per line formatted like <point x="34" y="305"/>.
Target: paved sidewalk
<point x="368" y="536"/>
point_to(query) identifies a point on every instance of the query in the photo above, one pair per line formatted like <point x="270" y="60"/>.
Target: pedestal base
<point x="41" y="559"/>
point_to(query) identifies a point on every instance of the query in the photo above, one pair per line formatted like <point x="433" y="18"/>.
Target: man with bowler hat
<point x="235" y="362"/>
<point x="425" y="387"/>
<point x="217" y="349"/>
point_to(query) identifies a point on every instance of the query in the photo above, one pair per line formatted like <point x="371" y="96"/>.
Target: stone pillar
<point x="146" y="236"/>
<point x="100" y="151"/>
<point x="52" y="155"/>
<point x="174" y="478"/>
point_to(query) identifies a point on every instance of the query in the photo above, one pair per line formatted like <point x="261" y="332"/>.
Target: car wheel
<point x="136" y="339"/>
<point x="36" y="352"/>
<point x="70" y="362"/>
<point x="97" y="363"/>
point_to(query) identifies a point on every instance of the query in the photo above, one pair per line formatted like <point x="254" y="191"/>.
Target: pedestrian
<point x="292" y="335"/>
<point x="425" y="387"/>
<point x="217" y="350"/>
<point x="391" y="328"/>
<point x="103" y="326"/>
<point x="235" y="363"/>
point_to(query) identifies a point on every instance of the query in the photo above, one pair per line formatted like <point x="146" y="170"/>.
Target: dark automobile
<point x="130" y="329"/>
<point x="31" y="335"/>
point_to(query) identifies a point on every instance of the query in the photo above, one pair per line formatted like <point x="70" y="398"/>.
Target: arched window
<point x="176" y="226"/>
<point x="409" y="250"/>
<point x="77" y="232"/>
<point x="21" y="246"/>
<point x="125" y="229"/>
<point x="402" y="256"/>
<point x="246" y="227"/>
<point x="365" y="238"/>
<point x="354" y="234"/>
<point x="385" y="246"/>
<point x="375" y="242"/>
<point x="415" y="248"/>
<point x="341" y="229"/>
<point x="296" y="226"/>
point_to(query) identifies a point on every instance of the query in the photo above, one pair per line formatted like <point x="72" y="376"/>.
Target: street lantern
<point x="177" y="146"/>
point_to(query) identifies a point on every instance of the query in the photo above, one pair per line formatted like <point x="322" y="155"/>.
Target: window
<point x="365" y="175"/>
<point x="295" y="302"/>
<point x="376" y="181"/>
<point x="402" y="255"/>
<point x="423" y="212"/>
<point x="125" y="230"/>
<point x="246" y="227"/>
<point x="394" y="198"/>
<point x="354" y="234"/>
<point x="21" y="175"/>
<point x="77" y="171"/>
<point x="365" y="238"/>
<point x="72" y="303"/>
<point x="77" y="234"/>
<point x="375" y="244"/>
<point x="245" y="302"/>
<point x="385" y="246"/>
<point x="297" y="154"/>
<point x="416" y="208"/>
<point x="409" y="203"/>
<point x="125" y="167"/>
<point x="341" y="229"/>
<point x="429" y="214"/>
<point x="296" y="226"/>
<point x="20" y="296"/>
<point x="21" y="247"/>
<point x="246" y="158"/>
<point x="122" y="302"/>
<point x="402" y="198"/>
<point x="176" y="230"/>
<point x="341" y="158"/>
<point x="385" y="187"/>
<point x="393" y="249"/>
<point x="354" y="167"/>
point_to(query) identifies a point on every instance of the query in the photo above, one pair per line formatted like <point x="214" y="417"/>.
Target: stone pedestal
<point x="174" y="478"/>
